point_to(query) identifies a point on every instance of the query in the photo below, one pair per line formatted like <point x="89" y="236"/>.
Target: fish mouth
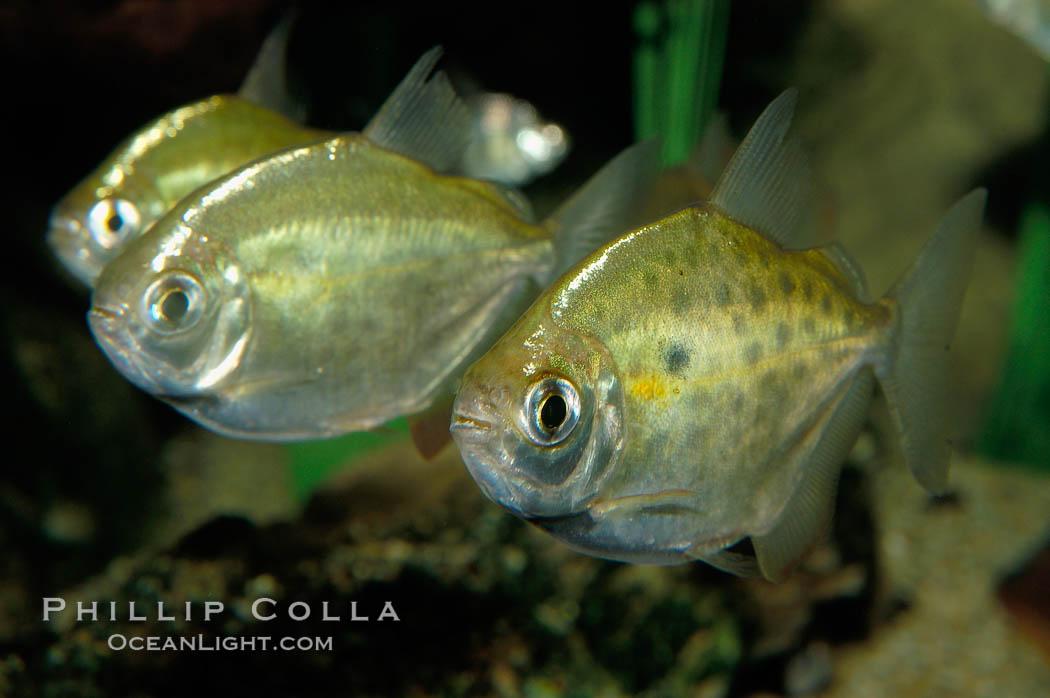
<point x="477" y="438"/>
<point x="107" y="320"/>
<point x="109" y="326"/>
<point x="469" y="423"/>
<point x="67" y="239"/>
<point x="63" y="225"/>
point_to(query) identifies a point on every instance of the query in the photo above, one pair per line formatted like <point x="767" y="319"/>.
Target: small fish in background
<point x="334" y="286"/>
<point x="512" y="144"/>
<point x="701" y="379"/>
<point x="147" y="174"/>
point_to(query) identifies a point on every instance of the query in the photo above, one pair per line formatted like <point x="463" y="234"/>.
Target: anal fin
<point x="807" y="515"/>
<point x="734" y="563"/>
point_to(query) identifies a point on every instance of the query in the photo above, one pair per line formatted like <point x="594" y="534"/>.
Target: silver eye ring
<point x="113" y="222"/>
<point x="552" y="410"/>
<point x="173" y="303"/>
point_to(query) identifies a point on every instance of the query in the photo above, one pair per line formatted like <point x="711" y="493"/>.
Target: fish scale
<point x="719" y="370"/>
<point x="710" y="376"/>
<point x="334" y="286"/>
<point x="148" y="173"/>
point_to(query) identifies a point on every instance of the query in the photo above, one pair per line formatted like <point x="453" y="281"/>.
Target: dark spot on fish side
<point x="681" y="273"/>
<point x="757" y="297"/>
<point x="651" y="280"/>
<point x="753" y="352"/>
<point x="783" y="335"/>
<point x="738" y="402"/>
<point x="723" y="295"/>
<point x="676" y="358"/>
<point x="670" y="258"/>
<point x="847" y="317"/>
<point x="700" y="435"/>
<point x="680" y="303"/>
<point x="807" y="289"/>
<point x="799" y="369"/>
<point x="787" y="284"/>
<point x="739" y="324"/>
<point x="825" y="303"/>
<point x="810" y="326"/>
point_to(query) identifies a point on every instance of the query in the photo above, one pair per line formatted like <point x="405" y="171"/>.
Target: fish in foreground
<point x="700" y="380"/>
<point x="334" y="286"/>
<point x="147" y="174"/>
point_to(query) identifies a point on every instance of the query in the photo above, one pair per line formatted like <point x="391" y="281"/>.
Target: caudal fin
<point x="915" y="374"/>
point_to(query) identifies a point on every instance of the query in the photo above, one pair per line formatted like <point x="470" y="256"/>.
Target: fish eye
<point x="173" y="303"/>
<point x="113" y="221"/>
<point x="552" y="410"/>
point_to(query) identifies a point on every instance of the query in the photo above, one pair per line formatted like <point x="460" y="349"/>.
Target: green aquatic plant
<point x="312" y="462"/>
<point x="1017" y="423"/>
<point x="678" y="71"/>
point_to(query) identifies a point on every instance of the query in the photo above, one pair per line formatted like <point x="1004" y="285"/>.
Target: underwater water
<point x="110" y="496"/>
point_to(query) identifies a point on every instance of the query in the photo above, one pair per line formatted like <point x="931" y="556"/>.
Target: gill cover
<point x="539" y="419"/>
<point x="174" y="314"/>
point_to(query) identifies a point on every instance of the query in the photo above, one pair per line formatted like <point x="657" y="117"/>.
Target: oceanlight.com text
<point x="229" y="643"/>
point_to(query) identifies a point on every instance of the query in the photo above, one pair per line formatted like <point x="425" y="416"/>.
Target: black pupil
<point x="174" y="305"/>
<point x="114" y="222"/>
<point x="553" y="412"/>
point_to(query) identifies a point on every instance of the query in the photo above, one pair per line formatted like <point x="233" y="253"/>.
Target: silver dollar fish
<point x="701" y="379"/>
<point x="332" y="287"/>
<point x="147" y="174"/>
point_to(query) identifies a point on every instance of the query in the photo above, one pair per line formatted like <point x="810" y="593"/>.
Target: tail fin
<point x="603" y="208"/>
<point x="914" y="376"/>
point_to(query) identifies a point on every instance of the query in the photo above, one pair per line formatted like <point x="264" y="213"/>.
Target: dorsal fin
<point x="766" y="184"/>
<point x="423" y="119"/>
<point x="266" y="83"/>
<point x="842" y="260"/>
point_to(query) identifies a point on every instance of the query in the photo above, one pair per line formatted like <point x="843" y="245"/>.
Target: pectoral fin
<point x="430" y="428"/>
<point x="733" y="563"/>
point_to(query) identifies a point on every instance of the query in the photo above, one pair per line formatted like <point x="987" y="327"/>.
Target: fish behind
<point x="147" y="174"/>
<point x="701" y="379"/>
<point x="333" y="286"/>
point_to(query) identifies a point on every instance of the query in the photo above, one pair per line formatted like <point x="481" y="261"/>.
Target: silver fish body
<point x="697" y="381"/>
<point x="334" y="286"/>
<point x="306" y="315"/>
<point x="166" y="159"/>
